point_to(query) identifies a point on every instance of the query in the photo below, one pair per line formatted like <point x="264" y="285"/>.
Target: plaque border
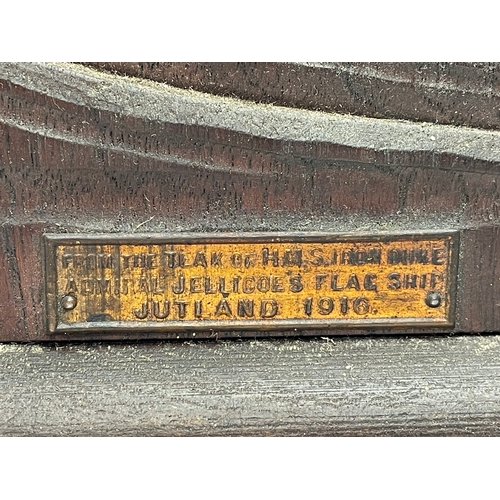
<point x="52" y="240"/>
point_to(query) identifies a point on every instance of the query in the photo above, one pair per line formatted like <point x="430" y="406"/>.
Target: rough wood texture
<point x="85" y="151"/>
<point x="351" y="387"/>
<point x="448" y="93"/>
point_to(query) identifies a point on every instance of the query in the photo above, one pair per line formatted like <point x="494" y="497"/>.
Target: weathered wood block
<point x="134" y="209"/>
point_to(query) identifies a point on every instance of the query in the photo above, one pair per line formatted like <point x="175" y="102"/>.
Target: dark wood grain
<point x="86" y="151"/>
<point x="449" y="93"/>
<point x="11" y="322"/>
<point x="371" y="386"/>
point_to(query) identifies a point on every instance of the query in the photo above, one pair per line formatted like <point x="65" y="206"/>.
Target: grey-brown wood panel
<point x="384" y="386"/>
<point x="86" y="151"/>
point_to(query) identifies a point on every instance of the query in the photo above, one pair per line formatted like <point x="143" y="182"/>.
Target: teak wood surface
<point x="159" y="148"/>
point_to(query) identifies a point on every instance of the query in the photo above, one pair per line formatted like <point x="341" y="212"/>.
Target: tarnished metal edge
<point x="240" y="237"/>
<point x="52" y="240"/>
<point x="248" y="325"/>
<point x="49" y="268"/>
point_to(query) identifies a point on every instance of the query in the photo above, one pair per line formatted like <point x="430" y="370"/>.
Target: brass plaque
<point x="248" y="281"/>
